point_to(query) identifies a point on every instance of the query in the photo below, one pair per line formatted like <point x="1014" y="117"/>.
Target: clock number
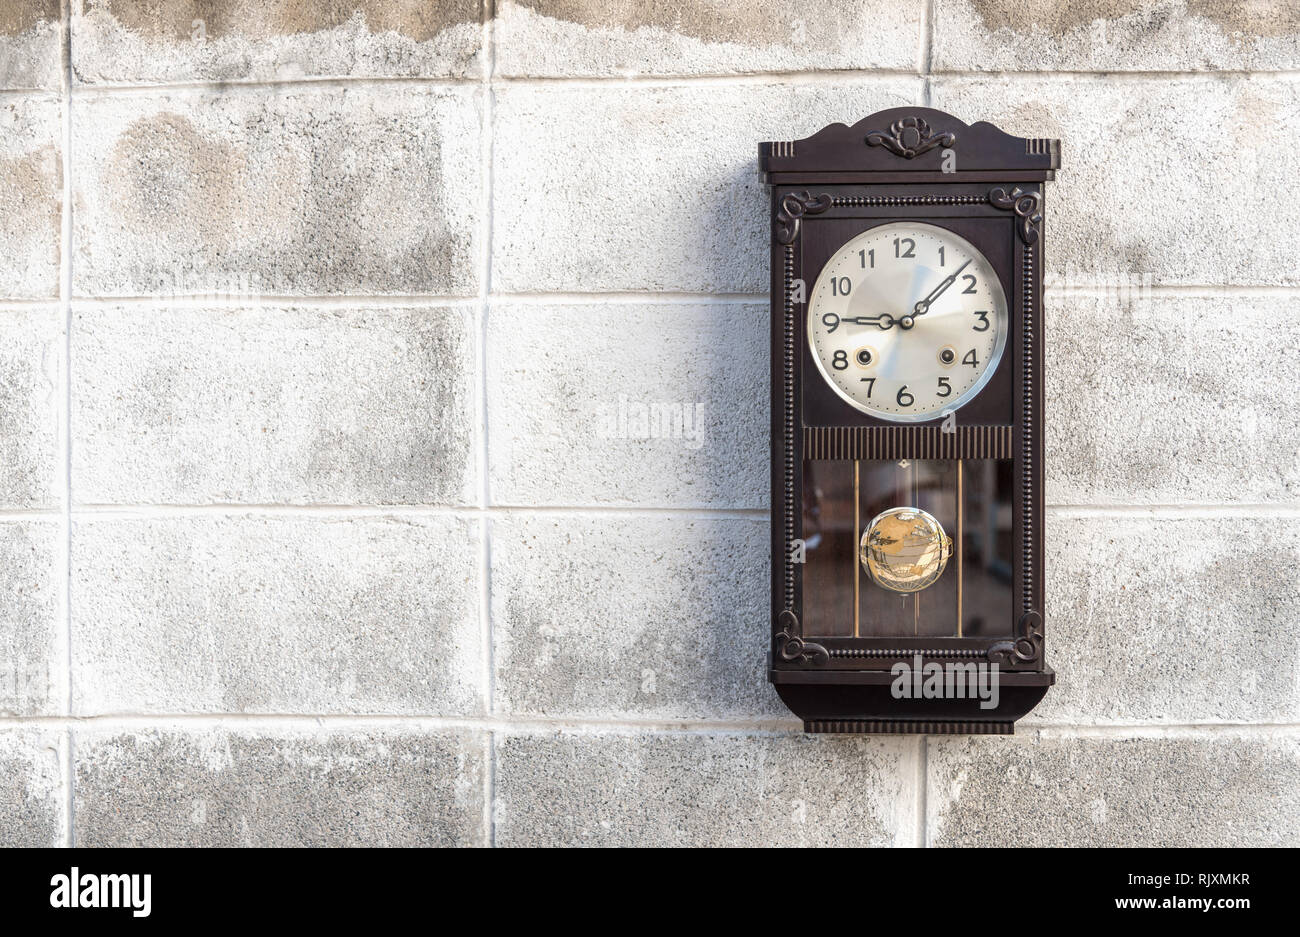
<point x="840" y="286"/>
<point x="945" y="389"/>
<point x="902" y="392"/>
<point x="942" y="262"/>
<point x="831" y="321"/>
<point x="983" y="323"/>
<point x="900" y="251"/>
<point x="871" y="383"/>
<point x="970" y="285"/>
<point x="970" y="358"/>
<point x="840" y="360"/>
<point x="867" y="255"/>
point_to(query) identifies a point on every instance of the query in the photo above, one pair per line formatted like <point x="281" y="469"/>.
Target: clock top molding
<point x="909" y="144"/>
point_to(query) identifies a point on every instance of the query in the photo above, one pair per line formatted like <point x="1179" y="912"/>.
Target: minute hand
<point x="923" y="306"/>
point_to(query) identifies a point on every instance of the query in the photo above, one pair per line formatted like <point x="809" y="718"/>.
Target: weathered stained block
<point x="31" y="783"/>
<point x="632" y="404"/>
<point x="1162" y="181"/>
<point x="304" y="192"/>
<point x="32" y="646"/>
<point x="1181" y="790"/>
<point x="582" y="37"/>
<point x="1182" y="620"/>
<point x="650" y="188"/>
<point x="30" y="353"/>
<point x="266" y="614"/>
<point x="133" y="42"/>
<point x="364" y="786"/>
<point x="270" y="404"/>
<point x="29" y="44"/>
<point x="632" y="617"/>
<point x="1115" y="35"/>
<point x="718" y="789"/>
<point x="1168" y="399"/>
<point x="31" y="196"/>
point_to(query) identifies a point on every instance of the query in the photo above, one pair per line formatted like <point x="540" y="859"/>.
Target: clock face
<point x="906" y="321"/>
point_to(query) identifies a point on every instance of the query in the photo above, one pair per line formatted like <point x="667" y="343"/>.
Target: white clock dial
<point x="906" y="321"/>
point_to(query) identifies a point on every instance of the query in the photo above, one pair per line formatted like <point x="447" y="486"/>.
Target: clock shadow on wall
<point x="907" y="387"/>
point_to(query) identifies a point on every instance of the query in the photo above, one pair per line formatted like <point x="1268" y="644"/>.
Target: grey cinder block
<point x="1143" y="613"/>
<point x="123" y="41"/>
<point x="586" y="37"/>
<point x="1096" y="35"/>
<point x="658" y="408"/>
<point x="1170" y="399"/>
<point x="31" y="339"/>
<point x="30" y="33"/>
<point x="632" y="617"/>
<point x="278" y="614"/>
<point x="304" y="192"/>
<point x="33" y="650"/>
<point x="175" y="786"/>
<point x="31" y="195"/>
<point x="1186" y="789"/>
<point x="704" y="789"/>
<point x="268" y="404"/>
<point x="31" y="787"/>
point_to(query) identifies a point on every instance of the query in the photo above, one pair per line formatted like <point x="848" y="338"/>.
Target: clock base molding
<point x="907" y="727"/>
<point x="875" y="710"/>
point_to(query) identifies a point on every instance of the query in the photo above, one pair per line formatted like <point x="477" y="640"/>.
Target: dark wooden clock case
<point x="824" y="190"/>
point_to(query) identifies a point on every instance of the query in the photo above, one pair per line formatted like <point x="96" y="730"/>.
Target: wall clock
<point x="907" y="386"/>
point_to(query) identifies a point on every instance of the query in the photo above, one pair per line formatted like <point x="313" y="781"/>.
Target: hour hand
<point x="883" y="321"/>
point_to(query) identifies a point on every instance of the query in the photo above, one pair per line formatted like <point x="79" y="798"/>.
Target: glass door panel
<point x="970" y="499"/>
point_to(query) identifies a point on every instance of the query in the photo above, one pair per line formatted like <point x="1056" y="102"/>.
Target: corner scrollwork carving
<point x="1026" y="205"/>
<point x="793" y="207"/>
<point x="1026" y="648"/>
<point x="792" y="647"/>
<point x="910" y="137"/>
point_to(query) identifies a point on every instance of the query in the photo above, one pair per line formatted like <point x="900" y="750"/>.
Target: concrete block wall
<point x="327" y="510"/>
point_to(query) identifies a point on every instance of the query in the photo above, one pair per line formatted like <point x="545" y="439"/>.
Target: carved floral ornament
<point x="1025" y="649"/>
<point x="793" y="207"/>
<point x="910" y="137"/>
<point x="792" y="646"/>
<point x="1025" y="205"/>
